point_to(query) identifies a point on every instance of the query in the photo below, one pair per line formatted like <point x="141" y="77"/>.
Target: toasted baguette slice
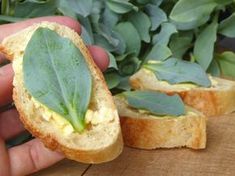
<point x="146" y="131"/>
<point x="213" y="101"/>
<point x="101" y="141"/>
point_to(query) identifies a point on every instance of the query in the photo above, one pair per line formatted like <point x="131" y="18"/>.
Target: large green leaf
<point x="155" y="102"/>
<point x="204" y="45"/>
<point x="142" y="23"/>
<point x="58" y="76"/>
<point x="188" y="14"/>
<point x="178" y="71"/>
<point x="131" y="37"/>
<point x="226" y="62"/>
<point x="227" y="26"/>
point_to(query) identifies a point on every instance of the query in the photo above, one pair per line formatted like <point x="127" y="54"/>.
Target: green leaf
<point x="188" y="14"/>
<point x="58" y="76"/>
<point x="180" y="43"/>
<point x="81" y="7"/>
<point x="158" y="52"/>
<point x="214" y="68"/>
<point x="112" y="62"/>
<point x="120" y="7"/>
<point x="227" y="26"/>
<point x="109" y="18"/>
<point x="129" y="65"/>
<point x="10" y="19"/>
<point x="204" y="45"/>
<point x="124" y="83"/>
<point x="157" y="15"/>
<point x="30" y="9"/>
<point x="226" y="62"/>
<point x="178" y="71"/>
<point x="162" y="38"/>
<point x="156" y="103"/>
<point x="142" y="23"/>
<point x="130" y="35"/>
<point x="112" y="79"/>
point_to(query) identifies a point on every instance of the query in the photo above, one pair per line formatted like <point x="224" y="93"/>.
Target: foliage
<point x="133" y="31"/>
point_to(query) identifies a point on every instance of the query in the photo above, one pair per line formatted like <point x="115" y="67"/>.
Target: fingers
<point x="100" y="57"/>
<point x="4" y="160"/>
<point x="6" y="78"/>
<point x="31" y="157"/>
<point x="9" y="29"/>
<point x="10" y="124"/>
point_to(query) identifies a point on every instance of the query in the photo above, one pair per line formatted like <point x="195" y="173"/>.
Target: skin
<point x="31" y="156"/>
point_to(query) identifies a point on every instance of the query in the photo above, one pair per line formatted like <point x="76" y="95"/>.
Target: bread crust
<point x="146" y="131"/>
<point x="97" y="155"/>
<point x="214" y="101"/>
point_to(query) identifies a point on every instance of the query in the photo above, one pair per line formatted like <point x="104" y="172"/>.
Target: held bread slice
<point x="214" y="101"/>
<point x="101" y="141"/>
<point x="145" y="131"/>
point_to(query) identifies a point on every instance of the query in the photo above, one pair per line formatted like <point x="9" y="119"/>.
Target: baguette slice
<point x="214" y="101"/>
<point x="145" y="131"/>
<point x="101" y="141"/>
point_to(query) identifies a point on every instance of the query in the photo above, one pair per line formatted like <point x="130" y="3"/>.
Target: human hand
<point x="31" y="156"/>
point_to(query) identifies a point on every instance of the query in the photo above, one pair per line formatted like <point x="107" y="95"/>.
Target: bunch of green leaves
<point x="135" y="31"/>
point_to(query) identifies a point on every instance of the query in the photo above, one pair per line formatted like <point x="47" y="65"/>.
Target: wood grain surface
<point x="218" y="159"/>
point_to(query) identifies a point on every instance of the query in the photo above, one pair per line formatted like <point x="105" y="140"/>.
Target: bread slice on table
<point x="217" y="100"/>
<point x="145" y="131"/>
<point x="101" y="141"/>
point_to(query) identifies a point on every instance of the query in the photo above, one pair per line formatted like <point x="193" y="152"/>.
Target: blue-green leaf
<point x="188" y="14"/>
<point x="142" y="23"/>
<point x="58" y="76"/>
<point x="214" y="68"/>
<point x="156" y="103"/>
<point x="227" y="26"/>
<point x="131" y="37"/>
<point x="157" y="15"/>
<point x="204" y="45"/>
<point x="180" y="43"/>
<point x="158" y="52"/>
<point x="162" y="38"/>
<point x="226" y="62"/>
<point x="120" y="7"/>
<point x="81" y="7"/>
<point x="179" y="71"/>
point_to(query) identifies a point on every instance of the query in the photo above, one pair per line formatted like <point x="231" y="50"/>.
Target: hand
<point x="31" y="156"/>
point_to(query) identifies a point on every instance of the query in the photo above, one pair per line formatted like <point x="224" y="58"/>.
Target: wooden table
<point x="217" y="159"/>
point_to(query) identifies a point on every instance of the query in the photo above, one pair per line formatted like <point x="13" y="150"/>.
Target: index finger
<point x="8" y="29"/>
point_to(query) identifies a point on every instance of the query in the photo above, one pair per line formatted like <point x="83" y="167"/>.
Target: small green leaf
<point x="112" y="62"/>
<point x="131" y="37"/>
<point x="58" y="76"/>
<point x="157" y="15"/>
<point x="156" y="103"/>
<point x="180" y="43"/>
<point x="112" y="79"/>
<point x="129" y="65"/>
<point x="158" y="52"/>
<point x="142" y="23"/>
<point x="178" y="71"/>
<point x="214" y="68"/>
<point x="4" y="18"/>
<point x="188" y="14"/>
<point x="120" y="7"/>
<point x="204" y="45"/>
<point x="227" y="26"/>
<point x="226" y="62"/>
<point x="81" y="7"/>
<point x="124" y="83"/>
<point x="30" y="9"/>
<point x="162" y="38"/>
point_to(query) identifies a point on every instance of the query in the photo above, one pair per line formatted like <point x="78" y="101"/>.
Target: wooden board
<point x="217" y="159"/>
